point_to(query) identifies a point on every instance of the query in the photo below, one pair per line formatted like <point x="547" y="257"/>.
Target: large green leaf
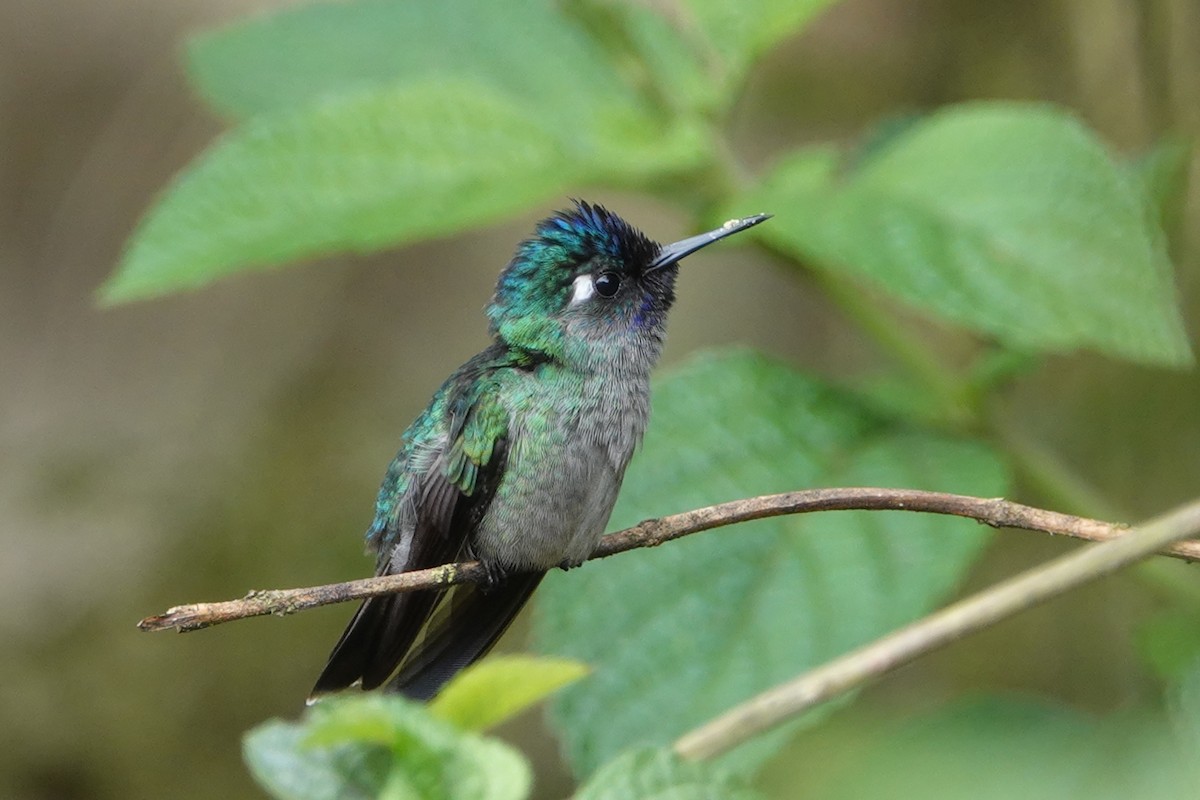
<point x="375" y="123"/>
<point x="381" y="747"/>
<point x="1010" y="219"/>
<point x="529" y="49"/>
<point x="661" y="775"/>
<point x="356" y="172"/>
<point x="682" y="632"/>
<point x="523" y="50"/>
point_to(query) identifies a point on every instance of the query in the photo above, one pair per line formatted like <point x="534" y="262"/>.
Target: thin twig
<point x="972" y="614"/>
<point x="996" y="512"/>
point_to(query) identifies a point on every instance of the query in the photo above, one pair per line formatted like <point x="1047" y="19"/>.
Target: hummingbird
<point x="518" y="458"/>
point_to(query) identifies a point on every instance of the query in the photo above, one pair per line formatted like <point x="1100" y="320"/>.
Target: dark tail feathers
<point x="383" y="631"/>
<point x="475" y="618"/>
<point x="380" y="634"/>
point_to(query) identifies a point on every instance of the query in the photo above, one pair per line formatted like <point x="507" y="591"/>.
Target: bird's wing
<point x="469" y="618"/>
<point x="463" y="462"/>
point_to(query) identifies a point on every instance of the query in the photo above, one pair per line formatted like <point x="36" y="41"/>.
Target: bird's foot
<point x="494" y="574"/>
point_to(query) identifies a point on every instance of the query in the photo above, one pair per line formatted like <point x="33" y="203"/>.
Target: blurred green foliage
<point x="491" y="691"/>
<point x="360" y="125"/>
<point x="381" y="747"/>
<point x="1011" y="220"/>
<point x="389" y="748"/>
<point x="990" y="747"/>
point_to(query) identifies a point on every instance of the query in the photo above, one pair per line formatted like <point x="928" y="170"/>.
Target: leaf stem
<point x="952" y="393"/>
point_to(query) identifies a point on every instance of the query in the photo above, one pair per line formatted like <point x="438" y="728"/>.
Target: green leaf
<point x="661" y="775"/>
<point x="651" y="54"/>
<point x="371" y="124"/>
<point x="1163" y="172"/>
<point x="282" y="765"/>
<point x="933" y="755"/>
<point x="1000" y="748"/>
<point x="1169" y="642"/>
<point x="358" y="172"/>
<point x="296" y="56"/>
<point x="1009" y="219"/>
<point x="742" y="31"/>
<point x="381" y="746"/>
<point x="1184" y="714"/>
<point x="501" y="687"/>
<point x="567" y="83"/>
<point x="679" y="633"/>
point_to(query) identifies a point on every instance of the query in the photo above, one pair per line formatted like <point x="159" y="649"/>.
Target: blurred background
<point x="196" y="447"/>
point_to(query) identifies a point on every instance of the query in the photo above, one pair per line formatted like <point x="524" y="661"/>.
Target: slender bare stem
<point x="972" y="614"/>
<point x="995" y="511"/>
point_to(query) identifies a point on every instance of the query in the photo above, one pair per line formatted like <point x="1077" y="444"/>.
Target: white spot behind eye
<point x="585" y="287"/>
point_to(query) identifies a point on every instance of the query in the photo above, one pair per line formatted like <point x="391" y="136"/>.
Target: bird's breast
<point x="568" y="448"/>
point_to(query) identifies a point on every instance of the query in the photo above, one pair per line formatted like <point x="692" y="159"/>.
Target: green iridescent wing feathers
<point x="467" y="414"/>
<point x="484" y="424"/>
<point x="434" y="494"/>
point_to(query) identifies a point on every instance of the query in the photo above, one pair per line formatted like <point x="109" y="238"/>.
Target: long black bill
<point x="673" y="252"/>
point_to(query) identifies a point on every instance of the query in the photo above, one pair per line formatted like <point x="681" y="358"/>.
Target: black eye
<point x="607" y="284"/>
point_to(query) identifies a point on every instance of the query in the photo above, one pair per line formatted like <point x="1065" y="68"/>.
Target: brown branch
<point x="996" y="512"/>
<point x="972" y="614"/>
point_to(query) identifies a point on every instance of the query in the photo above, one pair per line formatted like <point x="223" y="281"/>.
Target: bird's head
<point x="587" y="282"/>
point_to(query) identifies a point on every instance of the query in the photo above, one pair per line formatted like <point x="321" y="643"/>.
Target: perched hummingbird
<point x="518" y="458"/>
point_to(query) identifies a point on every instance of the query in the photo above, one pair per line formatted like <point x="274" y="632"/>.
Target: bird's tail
<point x="377" y="639"/>
<point x="470" y="620"/>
